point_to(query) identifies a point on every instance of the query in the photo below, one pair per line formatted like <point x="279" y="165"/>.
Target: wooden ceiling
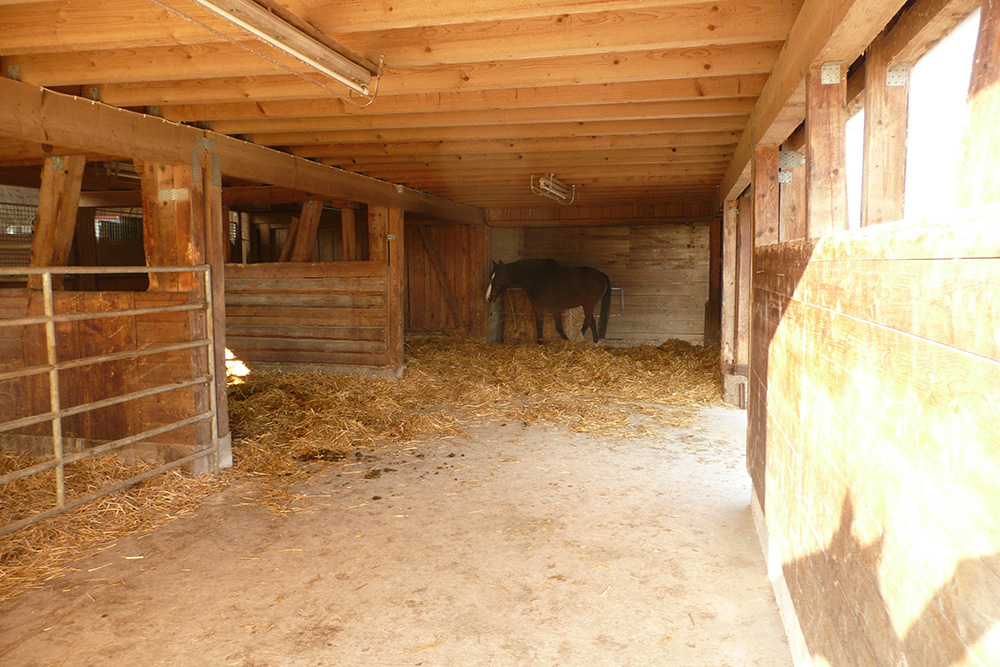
<point x="630" y="100"/>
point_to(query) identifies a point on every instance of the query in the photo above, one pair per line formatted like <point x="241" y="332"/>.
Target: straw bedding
<point x="283" y="423"/>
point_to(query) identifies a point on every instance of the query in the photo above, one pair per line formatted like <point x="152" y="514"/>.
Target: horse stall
<point x="261" y="403"/>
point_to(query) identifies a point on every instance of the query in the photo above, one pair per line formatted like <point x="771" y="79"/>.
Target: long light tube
<point x="279" y="34"/>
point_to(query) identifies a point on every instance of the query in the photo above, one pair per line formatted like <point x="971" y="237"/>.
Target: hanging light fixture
<point x="549" y="186"/>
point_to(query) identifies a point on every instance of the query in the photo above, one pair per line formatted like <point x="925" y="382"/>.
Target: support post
<point x="168" y="234"/>
<point x="730" y="231"/>
<point x="765" y="195"/>
<point x="885" y="139"/>
<point x="826" y="189"/>
<point x="349" y="234"/>
<point x="55" y="220"/>
<point x="395" y="254"/>
<point x="305" y="235"/>
<point x="979" y="183"/>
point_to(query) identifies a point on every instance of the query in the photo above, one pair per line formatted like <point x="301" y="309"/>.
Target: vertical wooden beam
<point x="791" y="206"/>
<point x="979" y="184"/>
<point x="305" y="235"/>
<point x="765" y="195"/>
<point x="744" y="275"/>
<point x="349" y="234"/>
<point x="216" y="244"/>
<point x="55" y="220"/>
<point x="246" y="245"/>
<point x="826" y="189"/>
<point x="395" y="255"/>
<point x="885" y="139"/>
<point x="714" y="304"/>
<point x="378" y="221"/>
<point x="168" y="234"/>
<point x="479" y="266"/>
<point x="730" y="232"/>
<point x="85" y="247"/>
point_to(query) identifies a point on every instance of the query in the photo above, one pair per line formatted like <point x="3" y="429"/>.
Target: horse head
<point x="498" y="282"/>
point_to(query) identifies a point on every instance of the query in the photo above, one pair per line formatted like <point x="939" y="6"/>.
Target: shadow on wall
<point x="845" y="620"/>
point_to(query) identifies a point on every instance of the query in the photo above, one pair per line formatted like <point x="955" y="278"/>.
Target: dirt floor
<point x="513" y="545"/>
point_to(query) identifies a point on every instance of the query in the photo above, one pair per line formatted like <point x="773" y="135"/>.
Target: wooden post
<point x="55" y="220"/>
<point x="730" y="231"/>
<point x="377" y="230"/>
<point x="765" y="195"/>
<point x="349" y="234"/>
<point x="979" y="184"/>
<point x="744" y="274"/>
<point x="395" y="254"/>
<point x="246" y="246"/>
<point x="826" y="189"/>
<point x="885" y="139"/>
<point x="714" y="304"/>
<point x="791" y="206"/>
<point x="216" y="245"/>
<point x="305" y="234"/>
<point x="168" y="233"/>
<point x="479" y="266"/>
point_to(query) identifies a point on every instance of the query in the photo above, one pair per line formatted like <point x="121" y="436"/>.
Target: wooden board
<point x="332" y="313"/>
<point x="875" y="404"/>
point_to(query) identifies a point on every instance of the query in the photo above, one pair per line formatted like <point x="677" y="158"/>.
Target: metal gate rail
<point x="53" y="367"/>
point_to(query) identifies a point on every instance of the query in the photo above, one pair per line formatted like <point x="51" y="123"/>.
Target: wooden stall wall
<point x="878" y="356"/>
<point x="24" y="346"/>
<point x="316" y="316"/>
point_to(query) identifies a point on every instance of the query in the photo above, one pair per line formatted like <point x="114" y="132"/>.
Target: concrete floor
<point x="516" y="545"/>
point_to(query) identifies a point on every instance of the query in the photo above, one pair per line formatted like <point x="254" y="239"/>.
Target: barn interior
<point x="307" y="186"/>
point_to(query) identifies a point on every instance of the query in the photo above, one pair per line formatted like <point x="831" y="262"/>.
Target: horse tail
<point x="605" y="308"/>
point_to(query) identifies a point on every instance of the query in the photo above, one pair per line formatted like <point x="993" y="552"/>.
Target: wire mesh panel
<point x="119" y="237"/>
<point x="17" y="222"/>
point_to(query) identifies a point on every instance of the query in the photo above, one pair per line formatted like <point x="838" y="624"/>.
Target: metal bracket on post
<point x="784" y="177"/>
<point x="14" y="72"/>
<point x="94" y="94"/>
<point x="830" y="73"/>
<point x="897" y="75"/>
<point x="174" y="194"/>
<point x="790" y="159"/>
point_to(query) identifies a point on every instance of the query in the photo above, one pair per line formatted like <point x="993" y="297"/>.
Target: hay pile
<point x="40" y="553"/>
<point x="283" y="423"/>
<point x="282" y="419"/>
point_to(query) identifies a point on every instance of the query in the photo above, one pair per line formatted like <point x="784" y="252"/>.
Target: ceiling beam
<point x="33" y="114"/>
<point x="604" y="69"/>
<point x="676" y="90"/>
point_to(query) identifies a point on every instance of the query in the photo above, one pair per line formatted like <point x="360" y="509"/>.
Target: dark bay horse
<point x="553" y="288"/>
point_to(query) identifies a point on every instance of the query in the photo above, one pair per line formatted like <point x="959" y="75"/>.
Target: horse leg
<point x="557" y="316"/>
<point x="538" y="326"/>
<point x="589" y="321"/>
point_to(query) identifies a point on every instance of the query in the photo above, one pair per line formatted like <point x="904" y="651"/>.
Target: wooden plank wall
<point x="663" y="270"/>
<point x="25" y="346"/>
<point x="304" y="315"/>
<point x="876" y="360"/>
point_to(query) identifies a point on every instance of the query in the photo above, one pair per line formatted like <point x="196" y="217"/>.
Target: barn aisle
<point x="514" y="545"/>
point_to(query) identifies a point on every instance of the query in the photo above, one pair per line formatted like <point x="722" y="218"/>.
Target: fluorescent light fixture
<point x="549" y="186"/>
<point x="331" y="59"/>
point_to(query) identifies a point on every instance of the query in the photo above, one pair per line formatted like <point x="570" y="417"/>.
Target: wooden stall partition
<point x="879" y="411"/>
<point x="329" y="316"/>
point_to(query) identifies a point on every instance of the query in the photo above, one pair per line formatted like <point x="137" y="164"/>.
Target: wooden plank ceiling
<point x="632" y="101"/>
